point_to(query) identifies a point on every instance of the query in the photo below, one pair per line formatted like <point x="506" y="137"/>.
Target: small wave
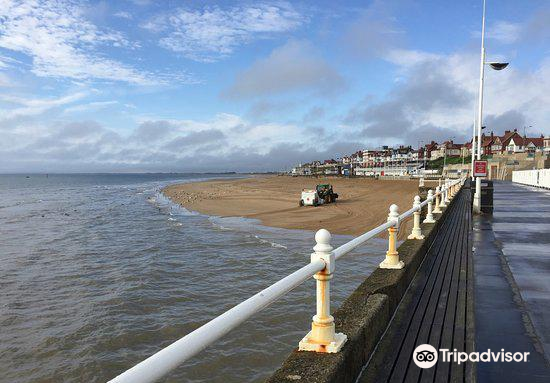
<point x="175" y="209"/>
<point x="220" y="227"/>
<point x="273" y="244"/>
<point x="21" y="203"/>
<point x="244" y="225"/>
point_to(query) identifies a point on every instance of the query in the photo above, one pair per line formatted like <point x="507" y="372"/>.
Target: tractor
<point x="322" y="194"/>
<point x="326" y="193"/>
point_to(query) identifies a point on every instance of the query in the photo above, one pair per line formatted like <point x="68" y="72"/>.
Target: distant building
<point x="511" y="142"/>
<point x="429" y="148"/>
<point x="448" y="149"/>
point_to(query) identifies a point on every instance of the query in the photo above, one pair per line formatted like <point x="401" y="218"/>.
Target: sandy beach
<point x="362" y="204"/>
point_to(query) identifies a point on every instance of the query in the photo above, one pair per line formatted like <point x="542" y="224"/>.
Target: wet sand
<point x="362" y="204"/>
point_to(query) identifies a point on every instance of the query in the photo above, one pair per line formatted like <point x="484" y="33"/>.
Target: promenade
<point x="512" y="287"/>
<point x="483" y="285"/>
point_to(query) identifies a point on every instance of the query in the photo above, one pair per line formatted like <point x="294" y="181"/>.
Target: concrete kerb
<point x="363" y="317"/>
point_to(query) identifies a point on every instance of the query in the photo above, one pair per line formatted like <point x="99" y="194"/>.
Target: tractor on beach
<point x="322" y="194"/>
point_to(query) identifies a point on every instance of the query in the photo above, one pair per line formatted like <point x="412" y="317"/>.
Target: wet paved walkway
<point x="512" y="283"/>
<point x="437" y="309"/>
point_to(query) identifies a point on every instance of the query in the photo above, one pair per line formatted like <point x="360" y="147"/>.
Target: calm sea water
<point x="97" y="272"/>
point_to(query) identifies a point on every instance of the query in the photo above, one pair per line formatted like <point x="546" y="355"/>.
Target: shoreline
<point x="273" y="200"/>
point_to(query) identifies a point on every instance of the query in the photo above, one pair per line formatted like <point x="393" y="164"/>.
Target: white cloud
<point x="291" y="67"/>
<point x="141" y="3"/>
<point x="504" y="32"/>
<point x="154" y="144"/>
<point x="123" y="15"/>
<point x="32" y="107"/>
<point x="5" y="81"/>
<point x="213" y="33"/>
<point x="96" y="105"/>
<point x="407" y="58"/>
<point x="374" y="32"/>
<point x="62" y="42"/>
<point x="530" y="31"/>
<point x="6" y="61"/>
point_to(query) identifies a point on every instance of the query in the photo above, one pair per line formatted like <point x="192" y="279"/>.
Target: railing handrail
<point x="356" y="242"/>
<point x="162" y="362"/>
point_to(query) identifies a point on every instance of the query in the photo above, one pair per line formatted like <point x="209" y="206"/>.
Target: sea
<point x="100" y="271"/>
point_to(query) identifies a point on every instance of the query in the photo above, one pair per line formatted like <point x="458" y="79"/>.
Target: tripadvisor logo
<point x="426" y="356"/>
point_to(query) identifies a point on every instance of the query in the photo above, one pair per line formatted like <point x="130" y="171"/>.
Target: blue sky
<point x="215" y="86"/>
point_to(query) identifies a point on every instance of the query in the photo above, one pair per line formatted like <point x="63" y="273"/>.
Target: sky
<point x="204" y="86"/>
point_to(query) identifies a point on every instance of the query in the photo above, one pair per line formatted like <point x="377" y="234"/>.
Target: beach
<point x="274" y="200"/>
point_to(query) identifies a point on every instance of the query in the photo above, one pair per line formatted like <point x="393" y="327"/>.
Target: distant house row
<point x="406" y="160"/>
<point x="510" y="142"/>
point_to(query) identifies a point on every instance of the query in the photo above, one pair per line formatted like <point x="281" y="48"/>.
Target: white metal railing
<point x="540" y="177"/>
<point x="322" y="337"/>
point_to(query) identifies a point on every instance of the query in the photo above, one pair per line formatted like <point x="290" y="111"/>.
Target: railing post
<point x="442" y="201"/>
<point x="429" y="216"/>
<point x="392" y="256"/>
<point x="437" y="200"/>
<point x="416" y="231"/>
<point x="447" y="196"/>
<point x="421" y="182"/>
<point x="322" y="337"/>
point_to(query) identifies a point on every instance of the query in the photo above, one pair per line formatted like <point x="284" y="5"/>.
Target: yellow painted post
<point x="322" y="337"/>
<point x="416" y="231"/>
<point x="392" y="256"/>
<point x="429" y="215"/>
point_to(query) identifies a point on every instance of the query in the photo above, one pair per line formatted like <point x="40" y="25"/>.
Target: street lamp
<point x="420" y="142"/>
<point x="495" y="66"/>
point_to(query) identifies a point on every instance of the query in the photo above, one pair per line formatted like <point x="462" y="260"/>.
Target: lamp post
<point x="495" y="66"/>
<point x="444" y="157"/>
<point x="525" y="136"/>
<point x="473" y="148"/>
<point x="423" y="155"/>
<point x="424" y="158"/>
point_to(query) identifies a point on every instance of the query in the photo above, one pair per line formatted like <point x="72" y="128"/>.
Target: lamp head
<point x="498" y="66"/>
